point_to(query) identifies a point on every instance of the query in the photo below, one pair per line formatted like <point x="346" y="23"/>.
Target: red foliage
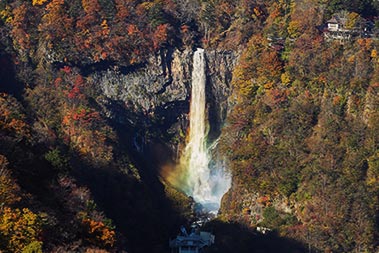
<point x="184" y="28"/>
<point x="75" y="91"/>
<point x="160" y="35"/>
<point x="84" y="116"/>
<point x="132" y="29"/>
<point x="57" y="82"/>
<point x="123" y="11"/>
<point x="264" y="200"/>
<point x="277" y="96"/>
<point x="66" y="69"/>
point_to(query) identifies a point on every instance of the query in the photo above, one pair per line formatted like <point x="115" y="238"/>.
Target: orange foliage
<point x="99" y="233"/>
<point x="91" y="7"/>
<point x="81" y="115"/>
<point x="11" y="117"/>
<point x="82" y="126"/>
<point x="132" y="29"/>
<point x="276" y="12"/>
<point x="264" y="200"/>
<point x="122" y="10"/>
<point x="365" y="44"/>
<point x="21" y="38"/>
<point x="58" y="82"/>
<point x="9" y="190"/>
<point x="277" y="96"/>
<point x="105" y="28"/>
<point x="38" y="2"/>
<point x="257" y="11"/>
<point x="271" y="64"/>
<point x="56" y="23"/>
<point x="85" y="131"/>
<point x="184" y="28"/>
<point x="336" y="100"/>
<point x="160" y="35"/>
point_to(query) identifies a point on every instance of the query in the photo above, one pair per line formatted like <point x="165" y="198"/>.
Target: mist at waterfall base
<point x="199" y="176"/>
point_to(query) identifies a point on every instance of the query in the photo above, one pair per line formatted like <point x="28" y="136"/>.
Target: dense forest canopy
<point x="301" y="137"/>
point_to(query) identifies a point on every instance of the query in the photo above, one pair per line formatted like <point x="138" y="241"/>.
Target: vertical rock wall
<point x="154" y="97"/>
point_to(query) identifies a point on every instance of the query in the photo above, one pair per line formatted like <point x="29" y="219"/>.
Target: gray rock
<point x="156" y="95"/>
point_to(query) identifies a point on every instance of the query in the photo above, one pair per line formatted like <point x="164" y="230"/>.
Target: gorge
<point x="119" y="119"/>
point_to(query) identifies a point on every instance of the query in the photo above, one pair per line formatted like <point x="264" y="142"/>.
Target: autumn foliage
<point x="300" y="132"/>
<point x="12" y="119"/>
<point x="18" y="229"/>
<point x="301" y="135"/>
<point x="98" y="232"/>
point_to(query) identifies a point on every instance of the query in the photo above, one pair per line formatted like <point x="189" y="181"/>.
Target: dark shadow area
<point x="103" y="65"/>
<point x="233" y="238"/>
<point x="215" y="122"/>
<point x="139" y="209"/>
<point x="37" y="180"/>
<point x="216" y="91"/>
<point x="8" y="82"/>
<point x="212" y="109"/>
<point x="170" y="112"/>
<point x="160" y="119"/>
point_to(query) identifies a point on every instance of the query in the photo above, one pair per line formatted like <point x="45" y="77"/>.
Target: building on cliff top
<point x="195" y="242"/>
<point x="345" y="26"/>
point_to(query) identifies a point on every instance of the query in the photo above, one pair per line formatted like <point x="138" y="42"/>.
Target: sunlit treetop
<point x="38" y="2"/>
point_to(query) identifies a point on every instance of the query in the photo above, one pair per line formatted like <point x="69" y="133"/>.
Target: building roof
<point x="333" y="20"/>
<point x="336" y="19"/>
<point x="199" y="240"/>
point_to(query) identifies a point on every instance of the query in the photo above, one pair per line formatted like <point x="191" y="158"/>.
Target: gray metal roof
<point x="198" y="240"/>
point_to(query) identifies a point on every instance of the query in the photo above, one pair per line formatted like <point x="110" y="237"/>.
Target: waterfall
<point x="206" y="185"/>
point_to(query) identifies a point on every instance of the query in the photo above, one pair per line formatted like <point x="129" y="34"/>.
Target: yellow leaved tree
<point x="19" y="229"/>
<point x="38" y="2"/>
<point x="8" y="188"/>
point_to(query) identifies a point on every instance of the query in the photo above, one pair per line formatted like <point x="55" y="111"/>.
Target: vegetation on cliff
<point x="66" y="169"/>
<point x="301" y="138"/>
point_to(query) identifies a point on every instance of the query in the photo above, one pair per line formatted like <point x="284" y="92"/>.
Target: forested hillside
<point x="302" y="137"/>
<point x="79" y="170"/>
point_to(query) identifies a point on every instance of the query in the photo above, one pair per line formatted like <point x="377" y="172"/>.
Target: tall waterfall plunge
<point x="206" y="184"/>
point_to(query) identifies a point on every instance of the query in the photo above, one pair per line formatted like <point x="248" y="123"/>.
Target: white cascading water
<point x="205" y="185"/>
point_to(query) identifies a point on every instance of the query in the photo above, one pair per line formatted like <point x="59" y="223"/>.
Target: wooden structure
<point x="195" y="242"/>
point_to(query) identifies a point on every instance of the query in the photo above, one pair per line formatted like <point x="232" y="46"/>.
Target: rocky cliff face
<point x="155" y="96"/>
<point x="164" y="79"/>
<point x="220" y="66"/>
